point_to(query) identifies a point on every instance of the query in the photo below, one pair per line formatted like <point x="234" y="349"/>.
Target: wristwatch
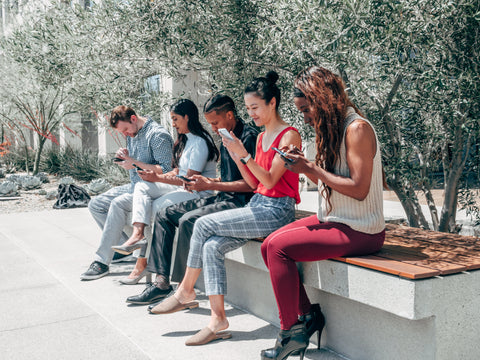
<point x="245" y="159"/>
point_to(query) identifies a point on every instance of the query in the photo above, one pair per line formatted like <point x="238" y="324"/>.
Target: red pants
<point x="308" y="239"/>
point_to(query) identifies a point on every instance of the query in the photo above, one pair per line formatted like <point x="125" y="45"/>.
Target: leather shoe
<point x="149" y="295"/>
<point x="128" y="249"/>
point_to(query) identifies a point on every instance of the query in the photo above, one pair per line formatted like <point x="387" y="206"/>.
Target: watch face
<point x="245" y="159"/>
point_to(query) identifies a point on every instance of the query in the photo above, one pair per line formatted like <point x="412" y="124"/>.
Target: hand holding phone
<point x="224" y="132"/>
<point x="183" y="178"/>
<point x="117" y="159"/>
<point x="283" y="155"/>
<point x="137" y="167"/>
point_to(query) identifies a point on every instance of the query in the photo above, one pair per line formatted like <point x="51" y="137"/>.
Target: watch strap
<point x="245" y="159"/>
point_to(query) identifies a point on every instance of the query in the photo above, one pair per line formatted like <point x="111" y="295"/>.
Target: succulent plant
<point x="97" y="186"/>
<point x="17" y="179"/>
<point x="66" y="180"/>
<point x="51" y="195"/>
<point x="30" y="182"/>
<point x="8" y="188"/>
<point x="43" y="177"/>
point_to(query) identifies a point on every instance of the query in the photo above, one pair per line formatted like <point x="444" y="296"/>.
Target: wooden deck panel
<point x="388" y="266"/>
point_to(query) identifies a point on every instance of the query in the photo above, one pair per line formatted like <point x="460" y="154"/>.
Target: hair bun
<point x="271" y="77"/>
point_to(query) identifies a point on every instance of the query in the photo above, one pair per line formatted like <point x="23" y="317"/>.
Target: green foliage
<point x="411" y="66"/>
<point x="113" y="173"/>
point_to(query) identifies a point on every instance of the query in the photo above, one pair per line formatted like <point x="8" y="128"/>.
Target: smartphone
<point x="224" y="132"/>
<point x="137" y="167"/>
<point x="283" y="155"/>
<point x="117" y="159"/>
<point x="183" y="178"/>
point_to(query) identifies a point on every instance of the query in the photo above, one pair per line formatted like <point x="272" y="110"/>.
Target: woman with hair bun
<point x="272" y="206"/>
<point x="348" y="170"/>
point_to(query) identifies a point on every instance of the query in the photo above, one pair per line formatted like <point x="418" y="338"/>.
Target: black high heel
<point x="288" y="342"/>
<point x="314" y="321"/>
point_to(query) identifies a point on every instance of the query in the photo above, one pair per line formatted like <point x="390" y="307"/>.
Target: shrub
<point x="82" y="166"/>
<point x="16" y="160"/>
<point x="113" y="173"/>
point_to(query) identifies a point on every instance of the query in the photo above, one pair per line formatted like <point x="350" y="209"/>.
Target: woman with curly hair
<point x="350" y="220"/>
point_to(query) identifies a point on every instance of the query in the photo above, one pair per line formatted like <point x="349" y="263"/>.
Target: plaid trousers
<point x="216" y="234"/>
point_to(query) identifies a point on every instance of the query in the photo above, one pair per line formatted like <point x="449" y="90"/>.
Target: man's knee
<point x="187" y="222"/>
<point x="115" y="202"/>
<point x="96" y="205"/>
<point x="161" y="216"/>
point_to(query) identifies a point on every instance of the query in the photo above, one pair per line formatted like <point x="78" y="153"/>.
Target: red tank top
<point x="288" y="183"/>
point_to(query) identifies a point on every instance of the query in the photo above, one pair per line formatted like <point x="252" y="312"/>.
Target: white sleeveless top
<point x="367" y="215"/>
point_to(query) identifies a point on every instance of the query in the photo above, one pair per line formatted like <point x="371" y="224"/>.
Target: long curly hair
<point x="328" y="103"/>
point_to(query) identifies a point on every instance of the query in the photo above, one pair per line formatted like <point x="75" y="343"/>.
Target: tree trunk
<point x="409" y="201"/>
<point x="431" y="206"/>
<point x="426" y="188"/>
<point x="453" y="167"/>
<point x="27" y="159"/>
<point x="38" y="153"/>
<point x="449" y="208"/>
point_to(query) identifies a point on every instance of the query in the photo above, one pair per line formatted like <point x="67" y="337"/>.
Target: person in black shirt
<point x="233" y="192"/>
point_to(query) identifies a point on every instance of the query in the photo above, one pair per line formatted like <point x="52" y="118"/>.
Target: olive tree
<point x="412" y="67"/>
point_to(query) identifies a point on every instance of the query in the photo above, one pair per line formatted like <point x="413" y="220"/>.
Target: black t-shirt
<point x="228" y="169"/>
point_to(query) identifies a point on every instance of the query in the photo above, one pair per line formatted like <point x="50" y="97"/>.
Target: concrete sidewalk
<point x="46" y="312"/>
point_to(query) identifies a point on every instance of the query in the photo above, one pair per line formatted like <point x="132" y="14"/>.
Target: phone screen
<point x="184" y="178"/>
<point x="283" y="154"/>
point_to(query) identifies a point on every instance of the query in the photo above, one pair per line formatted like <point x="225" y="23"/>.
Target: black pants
<point x="182" y="215"/>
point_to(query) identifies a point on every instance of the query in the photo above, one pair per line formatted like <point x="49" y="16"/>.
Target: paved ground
<point x="46" y="312"/>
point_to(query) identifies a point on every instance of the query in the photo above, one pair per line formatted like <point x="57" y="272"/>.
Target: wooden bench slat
<point x="431" y="236"/>
<point x="454" y="248"/>
<point x="390" y="266"/>
<point x="438" y="252"/>
<point x="445" y="268"/>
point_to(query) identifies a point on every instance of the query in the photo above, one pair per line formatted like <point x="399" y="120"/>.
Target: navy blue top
<point x="229" y="170"/>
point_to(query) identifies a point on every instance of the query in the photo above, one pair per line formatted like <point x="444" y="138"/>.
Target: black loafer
<point x="150" y="295"/>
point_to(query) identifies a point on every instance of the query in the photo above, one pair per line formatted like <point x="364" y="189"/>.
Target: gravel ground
<point x="31" y="200"/>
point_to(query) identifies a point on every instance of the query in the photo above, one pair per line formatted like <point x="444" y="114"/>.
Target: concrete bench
<point x="418" y="298"/>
